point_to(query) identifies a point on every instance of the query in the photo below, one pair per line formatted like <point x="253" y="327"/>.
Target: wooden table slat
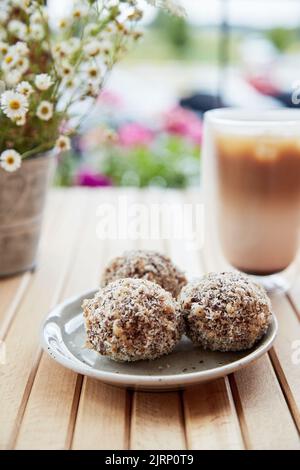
<point x="22" y="340"/>
<point x="156" y="417"/>
<point x="48" y="406"/>
<point x="260" y="378"/>
<point x="102" y="420"/>
<point x="287" y="342"/>
<point x="106" y="401"/>
<point x="157" y="422"/>
<point x="210" y="416"/>
<point x="11" y="293"/>
<point x="263" y="413"/>
<point x="61" y="384"/>
<point x="294" y="291"/>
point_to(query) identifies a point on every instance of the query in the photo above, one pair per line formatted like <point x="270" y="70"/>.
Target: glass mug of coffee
<point x="251" y="179"/>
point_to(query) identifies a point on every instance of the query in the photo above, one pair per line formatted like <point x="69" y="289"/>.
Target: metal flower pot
<point x="22" y="200"/>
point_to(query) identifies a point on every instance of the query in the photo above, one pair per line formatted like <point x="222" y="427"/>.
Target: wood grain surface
<point x="45" y="406"/>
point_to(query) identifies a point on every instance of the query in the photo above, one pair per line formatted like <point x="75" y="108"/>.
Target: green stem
<point x="40" y="148"/>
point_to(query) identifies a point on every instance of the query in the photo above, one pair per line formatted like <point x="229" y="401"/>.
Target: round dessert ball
<point x="132" y="319"/>
<point x="225" y="311"/>
<point x="145" y="264"/>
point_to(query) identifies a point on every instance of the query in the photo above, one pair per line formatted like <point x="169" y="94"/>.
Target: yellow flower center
<point x="93" y="73"/>
<point x="10" y="160"/>
<point x="15" y="105"/>
<point x="8" y="59"/>
<point x="44" y="110"/>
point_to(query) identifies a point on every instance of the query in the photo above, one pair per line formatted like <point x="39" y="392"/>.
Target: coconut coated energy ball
<point x="132" y="319"/>
<point x="225" y="311"/>
<point x="144" y="264"/>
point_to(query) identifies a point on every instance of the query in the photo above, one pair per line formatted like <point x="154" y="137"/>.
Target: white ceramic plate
<point x="63" y="338"/>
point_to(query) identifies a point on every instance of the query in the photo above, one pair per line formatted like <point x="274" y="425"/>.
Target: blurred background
<point x="146" y="129"/>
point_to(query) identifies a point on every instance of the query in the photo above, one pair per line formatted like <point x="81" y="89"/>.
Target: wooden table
<point x="44" y="406"/>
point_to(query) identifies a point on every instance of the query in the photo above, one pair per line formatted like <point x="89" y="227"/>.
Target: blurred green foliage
<point x="283" y="38"/>
<point x="65" y="170"/>
<point x="174" y="30"/>
<point x="171" y="162"/>
<point x="201" y="45"/>
<point x="169" y="38"/>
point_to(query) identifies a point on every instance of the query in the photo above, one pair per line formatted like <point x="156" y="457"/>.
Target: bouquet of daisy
<point x="51" y="72"/>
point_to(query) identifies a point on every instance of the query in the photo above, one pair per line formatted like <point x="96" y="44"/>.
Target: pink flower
<point x="110" y="99"/>
<point x="135" y="135"/>
<point x="183" y="122"/>
<point x="86" y="177"/>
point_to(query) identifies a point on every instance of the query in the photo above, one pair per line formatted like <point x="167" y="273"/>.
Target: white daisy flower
<point x="111" y="3"/>
<point x="57" y="51"/>
<point x="66" y="70"/>
<point x="18" y="3"/>
<point x="36" y="32"/>
<point x="106" y="46"/>
<point x="45" y="111"/>
<point x="13" y="77"/>
<point x="91" y="29"/>
<point x="20" y="121"/>
<point x="62" y="49"/>
<point x="63" y="23"/>
<point x="63" y="143"/>
<point x="9" y="60"/>
<point x="92" y="48"/>
<point x="43" y="81"/>
<point x="24" y="4"/>
<point x="25" y="88"/>
<point x="66" y="48"/>
<point x="80" y="11"/>
<point x="22" y="64"/>
<point x="69" y="84"/>
<point x="93" y="72"/>
<point x="21" y="48"/>
<point x="92" y="89"/>
<point x="13" y="104"/>
<point x="35" y="17"/>
<point x="71" y="46"/>
<point x="10" y="160"/>
<point x="18" y="29"/>
<point x="4" y="47"/>
<point x="3" y="34"/>
<point x="176" y="9"/>
<point x="4" y="15"/>
<point x="171" y="6"/>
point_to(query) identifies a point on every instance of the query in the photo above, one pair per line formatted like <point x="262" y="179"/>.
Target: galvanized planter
<point x="22" y="200"/>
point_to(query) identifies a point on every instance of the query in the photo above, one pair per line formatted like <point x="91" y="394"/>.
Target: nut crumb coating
<point x="131" y="320"/>
<point x="145" y="264"/>
<point x="225" y="311"/>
